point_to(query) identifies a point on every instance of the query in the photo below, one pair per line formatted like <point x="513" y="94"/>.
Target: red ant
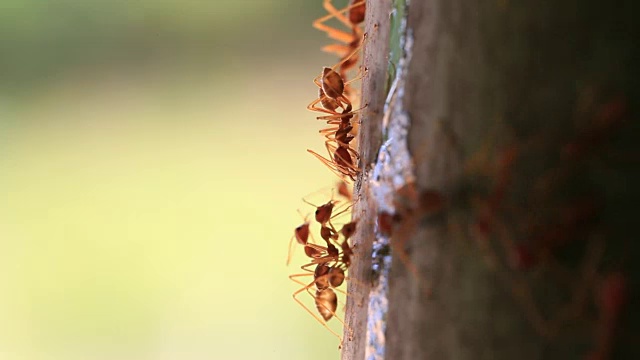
<point x="342" y="158"/>
<point x="332" y="85"/>
<point x="327" y="278"/>
<point x="323" y="215"/>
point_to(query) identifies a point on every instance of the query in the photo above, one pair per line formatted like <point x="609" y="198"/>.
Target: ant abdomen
<point x="326" y="303"/>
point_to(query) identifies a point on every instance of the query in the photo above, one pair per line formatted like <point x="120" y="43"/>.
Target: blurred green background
<point x="152" y="158"/>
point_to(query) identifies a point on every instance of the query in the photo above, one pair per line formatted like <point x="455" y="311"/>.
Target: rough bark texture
<point x="370" y="138"/>
<point x="523" y="120"/>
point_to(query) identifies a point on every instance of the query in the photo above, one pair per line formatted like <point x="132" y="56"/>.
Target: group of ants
<point x="329" y="260"/>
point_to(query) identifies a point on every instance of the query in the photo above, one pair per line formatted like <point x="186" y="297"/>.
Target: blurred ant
<point x="348" y="41"/>
<point x="344" y="191"/>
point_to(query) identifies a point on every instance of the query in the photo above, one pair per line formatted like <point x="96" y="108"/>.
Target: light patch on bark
<point x="392" y="170"/>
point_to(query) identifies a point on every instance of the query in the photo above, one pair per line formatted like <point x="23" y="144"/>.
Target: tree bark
<point x="512" y="231"/>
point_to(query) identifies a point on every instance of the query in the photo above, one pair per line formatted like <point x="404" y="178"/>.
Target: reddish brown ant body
<point x="329" y="262"/>
<point x="342" y="158"/>
<point x="331" y="96"/>
<point x="328" y="275"/>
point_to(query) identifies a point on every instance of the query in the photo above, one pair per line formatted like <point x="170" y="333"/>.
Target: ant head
<point x="348" y="229"/>
<point x="323" y="212"/>
<point x="302" y="233"/>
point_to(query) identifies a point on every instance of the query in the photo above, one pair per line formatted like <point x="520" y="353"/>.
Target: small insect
<point x="342" y="158"/>
<point x="325" y="213"/>
<point x="337" y="106"/>
<point x="331" y="95"/>
<point x="331" y="84"/>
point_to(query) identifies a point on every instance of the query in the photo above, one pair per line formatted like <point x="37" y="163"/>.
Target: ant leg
<point x="316" y="261"/>
<point x="316" y="247"/>
<point x="340" y="302"/>
<point x="334" y="315"/>
<point x="338" y="49"/>
<point x="329" y="131"/>
<point x="342" y="211"/>
<point x="312" y="107"/>
<point x="316" y="80"/>
<point x="295" y="277"/>
<point x="353" y="152"/>
<point x="334" y="117"/>
<point x="361" y="73"/>
<point x="290" y="250"/>
<point x="331" y="149"/>
<point x="337" y="115"/>
<point x="330" y="164"/>
<point x="339" y="14"/>
<point x="354" y="52"/>
<point x="318" y="206"/>
<point x="332" y="32"/>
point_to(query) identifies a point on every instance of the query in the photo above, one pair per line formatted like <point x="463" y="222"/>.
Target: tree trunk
<point x="500" y="145"/>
